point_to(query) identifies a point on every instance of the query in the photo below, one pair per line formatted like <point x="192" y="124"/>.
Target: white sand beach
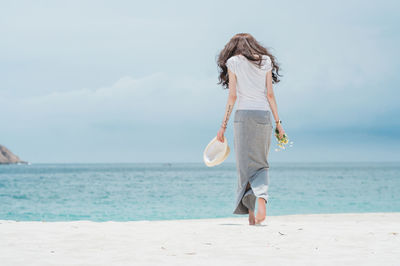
<point x="316" y="239"/>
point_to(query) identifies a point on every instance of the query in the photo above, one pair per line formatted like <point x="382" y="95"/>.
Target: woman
<point x="248" y="70"/>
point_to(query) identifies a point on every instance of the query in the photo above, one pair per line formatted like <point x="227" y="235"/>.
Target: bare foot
<point x="261" y="211"/>
<point x="252" y="219"/>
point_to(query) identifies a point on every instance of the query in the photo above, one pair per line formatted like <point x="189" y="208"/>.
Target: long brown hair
<point x="247" y="45"/>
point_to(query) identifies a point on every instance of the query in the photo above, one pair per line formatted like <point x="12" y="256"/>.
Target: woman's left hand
<point x="280" y="129"/>
<point x="220" y="134"/>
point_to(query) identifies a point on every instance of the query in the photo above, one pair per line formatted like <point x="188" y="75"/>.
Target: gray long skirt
<point x="252" y="138"/>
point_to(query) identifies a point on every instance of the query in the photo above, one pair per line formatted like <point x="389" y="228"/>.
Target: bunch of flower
<point x="282" y="141"/>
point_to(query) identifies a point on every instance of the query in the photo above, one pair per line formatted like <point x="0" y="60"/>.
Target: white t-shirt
<point x="251" y="86"/>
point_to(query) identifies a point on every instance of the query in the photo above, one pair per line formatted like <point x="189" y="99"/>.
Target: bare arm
<point x="272" y="102"/>
<point x="229" y="105"/>
<point x="271" y="96"/>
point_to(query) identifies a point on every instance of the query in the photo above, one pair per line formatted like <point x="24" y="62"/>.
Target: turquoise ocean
<point x="164" y="191"/>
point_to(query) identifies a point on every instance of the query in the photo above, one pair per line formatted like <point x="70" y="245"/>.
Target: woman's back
<point x="251" y="82"/>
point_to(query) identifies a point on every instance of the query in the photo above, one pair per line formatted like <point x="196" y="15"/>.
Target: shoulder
<point x="232" y="63"/>
<point x="266" y="63"/>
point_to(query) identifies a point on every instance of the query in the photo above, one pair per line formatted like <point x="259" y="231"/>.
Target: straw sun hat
<point x="216" y="152"/>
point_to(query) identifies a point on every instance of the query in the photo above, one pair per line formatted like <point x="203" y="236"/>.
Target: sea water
<point x="128" y="192"/>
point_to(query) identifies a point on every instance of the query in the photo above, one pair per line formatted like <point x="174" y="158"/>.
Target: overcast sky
<point x="130" y="81"/>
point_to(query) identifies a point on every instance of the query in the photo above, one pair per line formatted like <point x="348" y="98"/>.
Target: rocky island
<point x="7" y="157"/>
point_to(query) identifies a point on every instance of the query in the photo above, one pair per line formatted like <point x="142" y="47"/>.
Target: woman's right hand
<point x="280" y="129"/>
<point x="220" y="134"/>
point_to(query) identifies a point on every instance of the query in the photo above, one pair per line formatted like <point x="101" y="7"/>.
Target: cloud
<point x="156" y="98"/>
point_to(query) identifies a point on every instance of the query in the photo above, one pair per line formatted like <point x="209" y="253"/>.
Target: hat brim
<point x="218" y="158"/>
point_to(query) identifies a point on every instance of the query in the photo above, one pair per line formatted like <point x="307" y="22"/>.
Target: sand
<point x="315" y="239"/>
